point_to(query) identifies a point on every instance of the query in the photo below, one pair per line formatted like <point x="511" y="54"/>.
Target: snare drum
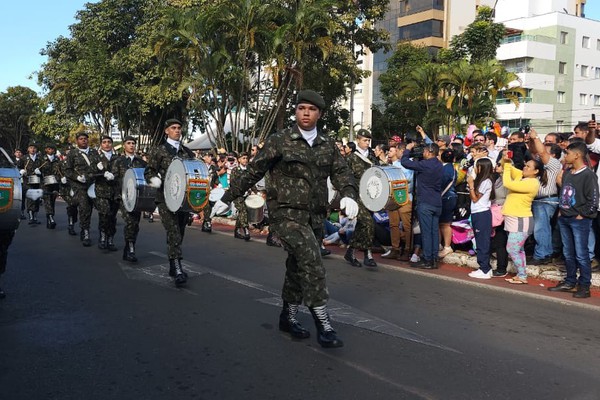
<point x="255" y="206"/>
<point x="11" y="196"/>
<point x="50" y="180"/>
<point x="186" y="185"/>
<point x="33" y="180"/>
<point x="137" y="195"/>
<point x="383" y="188"/>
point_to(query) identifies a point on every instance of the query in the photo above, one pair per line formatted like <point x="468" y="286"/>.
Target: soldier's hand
<point x="155" y="182"/>
<point x="220" y="208"/>
<point x="37" y="171"/>
<point x="81" y="178"/>
<point x="22" y="172"/>
<point x="109" y="176"/>
<point x="350" y="207"/>
<point x="100" y="166"/>
<point x="63" y="180"/>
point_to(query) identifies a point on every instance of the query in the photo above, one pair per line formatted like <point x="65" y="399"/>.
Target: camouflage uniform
<point x="50" y="167"/>
<point x="297" y="203"/>
<point x="131" y="219"/>
<point x="79" y="163"/>
<point x="30" y="165"/>
<point x="242" y="217"/>
<point x="106" y="201"/>
<point x="214" y="181"/>
<point x="364" y="233"/>
<point x="174" y="222"/>
<point x="66" y="192"/>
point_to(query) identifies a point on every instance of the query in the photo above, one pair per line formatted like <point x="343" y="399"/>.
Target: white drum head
<point x="331" y="192"/>
<point x="91" y="192"/>
<point x="129" y="190"/>
<point x="375" y="186"/>
<point x="254" y="201"/>
<point x="175" y="185"/>
<point x="216" y="194"/>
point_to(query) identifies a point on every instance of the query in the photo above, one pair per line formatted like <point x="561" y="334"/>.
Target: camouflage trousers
<point x="305" y="274"/>
<point x="6" y="238"/>
<point x="364" y="232"/>
<point x="242" y="217"/>
<point x="32" y="205"/>
<point x="174" y="223"/>
<point x="107" y="214"/>
<point x="132" y="224"/>
<point x="84" y="205"/>
<point x="206" y="211"/>
<point x="49" y="200"/>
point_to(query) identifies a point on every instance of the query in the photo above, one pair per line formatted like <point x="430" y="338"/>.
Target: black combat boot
<point x="272" y="240"/>
<point x="85" y="238"/>
<point x="31" y="218"/>
<point x="35" y="220"/>
<point x="327" y="337"/>
<point x="102" y="241"/>
<point x="50" y="222"/>
<point x="246" y="233"/>
<point x="324" y="251"/>
<point x="129" y="252"/>
<point x="349" y="256"/>
<point x="71" y="228"/>
<point x="176" y="270"/>
<point x="288" y="322"/>
<point x="238" y="233"/>
<point x="110" y="243"/>
<point x="173" y="270"/>
<point x="369" y="261"/>
<point x="207" y="226"/>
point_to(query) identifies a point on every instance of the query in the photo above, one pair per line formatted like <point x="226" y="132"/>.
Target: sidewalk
<point x="457" y="265"/>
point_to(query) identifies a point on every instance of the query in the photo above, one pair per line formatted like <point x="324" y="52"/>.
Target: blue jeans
<point x="543" y="210"/>
<point x="429" y="219"/>
<point x="482" y="227"/>
<point x="575" y="233"/>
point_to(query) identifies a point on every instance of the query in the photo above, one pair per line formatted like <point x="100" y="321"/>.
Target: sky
<point x="28" y="25"/>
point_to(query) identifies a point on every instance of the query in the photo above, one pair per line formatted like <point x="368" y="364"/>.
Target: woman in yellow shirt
<point x="522" y="187"/>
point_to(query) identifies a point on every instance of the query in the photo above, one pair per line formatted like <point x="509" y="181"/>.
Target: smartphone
<point x="509" y="154"/>
<point x="593" y="117"/>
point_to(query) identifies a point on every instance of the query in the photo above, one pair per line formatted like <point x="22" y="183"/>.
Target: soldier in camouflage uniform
<point x="298" y="161"/>
<point x="362" y="238"/>
<point x="106" y="201"/>
<point x="81" y="170"/>
<point x="66" y="192"/>
<point x="159" y="160"/>
<point x="30" y="168"/>
<point x="213" y="177"/>
<point x="241" y="230"/>
<point x="50" y="167"/>
<point x="131" y="219"/>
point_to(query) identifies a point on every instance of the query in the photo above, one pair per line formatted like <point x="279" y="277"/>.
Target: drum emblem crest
<point x="6" y="193"/>
<point x="400" y="191"/>
<point x="198" y="193"/>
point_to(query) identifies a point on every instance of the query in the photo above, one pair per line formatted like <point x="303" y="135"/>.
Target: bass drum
<point x="383" y="188"/>
<point x="11" y="197"/>
<point x="137" y="195"/>
<point x="187" y="185"/>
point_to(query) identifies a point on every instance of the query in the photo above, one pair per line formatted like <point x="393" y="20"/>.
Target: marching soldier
<point x="81" y="170"/>
<point x="213" y="177"/>
<point x="174" y="223"/>
<point x="241" y="230"/>
<point x="298" y="161"/>
<point x="362" y="238"/>
<point x="66" y="192"/>
<point x="50" y="167"/>
<point x="32" y="177"/>
<point x="105" y="201"/>
<point x="19" y="164"/>
<point x="131" y="219"/>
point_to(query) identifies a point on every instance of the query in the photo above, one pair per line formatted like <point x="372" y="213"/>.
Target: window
<point x="596" y="100"/>
<point x="563" y="37"/>
<point x="598" y="44"/>
<point x="585" y="42"/>
<point x="560" y="98"/>
<point x="560" y="124"/>
<point x="597" y="73"/>
<point x="420" y="30"/>
<point x="583" y="99"/>
<point x="584" y="71"/>
<point x="562" y="67"/>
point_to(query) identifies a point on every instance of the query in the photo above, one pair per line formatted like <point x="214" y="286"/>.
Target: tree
<point x="18" y="107"/>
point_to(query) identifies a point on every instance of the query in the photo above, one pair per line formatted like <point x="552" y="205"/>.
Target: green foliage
<point x="19" y="107"/>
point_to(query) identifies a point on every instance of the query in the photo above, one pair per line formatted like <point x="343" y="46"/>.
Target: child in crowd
<point x="481" y="191"/>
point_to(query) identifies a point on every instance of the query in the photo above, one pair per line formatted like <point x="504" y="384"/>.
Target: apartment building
<point x="556" y="54"/>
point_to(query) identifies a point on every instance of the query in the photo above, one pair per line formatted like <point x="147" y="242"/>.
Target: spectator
<point x="449" y="198"/>
<point x="522" y="188"/>
<point x="578" y="206"/>
<point x="490" y="143"/>
<point x="500" y="237"/>
<point x="443" y="142"/>
<point x="429" y="200"/>
<point x="481" y="190"/>
<point x="381" y="153"/>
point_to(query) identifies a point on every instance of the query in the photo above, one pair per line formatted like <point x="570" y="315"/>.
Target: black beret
<point x="32" y="144"/>
<point x="364" y="133"/>
<point x="105" y="137"/>
<point x="172" y="121"/>
<point x="80" y="134"/>
<point x="312" y="97"/>
<point x="129" y="138"/>
<point x="50" y="146"/>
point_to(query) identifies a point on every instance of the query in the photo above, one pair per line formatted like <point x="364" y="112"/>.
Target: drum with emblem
<point x="186" y="185"/>
<point x="137" y="195"/>
<point x="383" y="188"/>
<point x="11" y="196"/>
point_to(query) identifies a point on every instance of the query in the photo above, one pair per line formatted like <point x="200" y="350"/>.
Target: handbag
<point x="497" y="216"/>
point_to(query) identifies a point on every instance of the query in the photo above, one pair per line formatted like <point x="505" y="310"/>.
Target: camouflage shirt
<point x="104" y="188"/>
<point x="121" y="165"/>
<point x="297" y="184"/>
<point x="80" y="163"/>
<point x="160" y="159"/>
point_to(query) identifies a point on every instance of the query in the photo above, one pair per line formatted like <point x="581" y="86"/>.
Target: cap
<point x="80" y="134"/>
<point x="129" y="138"/>
<point x="172" y="121"/>
<point x="396" y="138"/>
<point x="445" y="138"/>
<point x="363" y="133"/>
<point x="311" y="97"/>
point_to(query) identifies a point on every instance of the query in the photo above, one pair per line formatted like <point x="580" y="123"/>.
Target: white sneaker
<point x="445" y="251"/>
<point x="415" y="258"/>
<point x="387" y="253"/>
<point x="479" y="274"/>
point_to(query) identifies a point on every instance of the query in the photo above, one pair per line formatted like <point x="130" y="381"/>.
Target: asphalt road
<point x="79" y="323"/>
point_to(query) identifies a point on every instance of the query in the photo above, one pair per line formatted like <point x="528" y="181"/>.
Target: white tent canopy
<point x="207" y="140"/>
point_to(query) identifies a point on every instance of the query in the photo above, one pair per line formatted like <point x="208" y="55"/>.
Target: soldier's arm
<point x="152" y="168"/>
<point x="342" y="177"/>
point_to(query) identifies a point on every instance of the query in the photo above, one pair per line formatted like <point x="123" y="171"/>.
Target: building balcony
<point x="526" y="48"/>
<point x="526" y="110"/>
